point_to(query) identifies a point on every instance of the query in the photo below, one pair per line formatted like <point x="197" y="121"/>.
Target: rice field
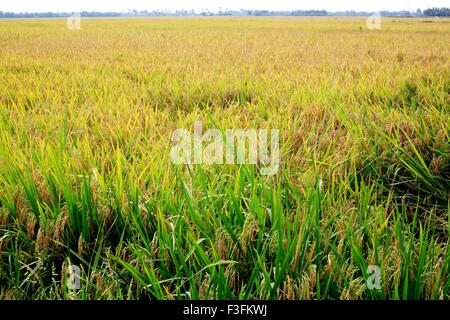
<point x="359" y="206"/>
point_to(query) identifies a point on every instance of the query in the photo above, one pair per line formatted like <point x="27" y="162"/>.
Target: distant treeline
<point x="437" y="12"/>
<point x="433" y="12"/>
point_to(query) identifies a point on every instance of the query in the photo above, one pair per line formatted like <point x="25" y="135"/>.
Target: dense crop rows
<point x="86" y="118"/>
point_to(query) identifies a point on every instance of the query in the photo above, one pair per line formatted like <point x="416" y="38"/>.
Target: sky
<point x="198" y="5"/>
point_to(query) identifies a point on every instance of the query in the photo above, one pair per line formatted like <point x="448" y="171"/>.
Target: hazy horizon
<point x="215" y="5"/>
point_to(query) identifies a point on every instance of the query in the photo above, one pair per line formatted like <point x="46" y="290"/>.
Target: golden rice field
<point x="86" y="178"/>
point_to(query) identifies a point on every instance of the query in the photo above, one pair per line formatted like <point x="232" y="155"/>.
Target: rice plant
<point x="86" y="179"/>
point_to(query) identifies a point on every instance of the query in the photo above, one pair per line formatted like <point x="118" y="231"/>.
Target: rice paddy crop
<point x="86" y="179"/>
